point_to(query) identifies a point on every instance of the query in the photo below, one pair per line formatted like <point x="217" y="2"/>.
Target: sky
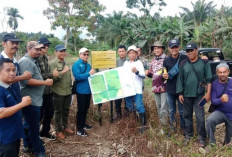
<point x="35" y="21"/>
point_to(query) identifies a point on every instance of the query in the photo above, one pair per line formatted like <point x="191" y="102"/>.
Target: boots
<point x="142" y="117"/>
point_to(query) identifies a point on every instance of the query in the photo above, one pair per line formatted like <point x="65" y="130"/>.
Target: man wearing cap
<point x="194" y="74"/>
<point x="62" y="93"/>
<point x="172" y="96"/>
<point x="10" y="44"/>
<point x="81" y="71"/>
<point x="221" y="96"/>
<point x="135" y="68"/>
<point x="47" y="107"/>
<point x="34" y="88"/>
<point x="158" y="83"/>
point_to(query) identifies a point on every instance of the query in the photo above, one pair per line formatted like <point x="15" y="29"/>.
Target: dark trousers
<point x="31" y="116"/>
<point x="190" y="104"/>
<point x="118" y="103"/>
<point x="83" y="102"/>
<point x="47" y="112"/>
<point x="10" y="150"/>
<point x="61" y="111"/>
<point x="215" y="118"/>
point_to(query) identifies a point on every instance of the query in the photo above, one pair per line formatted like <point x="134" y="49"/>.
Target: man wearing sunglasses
<point x="193" y="72"/>
<point x="47" y="107"/>
<point x="81" y="71"/>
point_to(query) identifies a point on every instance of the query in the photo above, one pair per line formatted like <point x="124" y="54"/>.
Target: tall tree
<point x="13" y="14"/>
<point x="73" y="14"/>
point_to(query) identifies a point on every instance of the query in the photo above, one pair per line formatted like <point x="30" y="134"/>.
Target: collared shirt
<point x="11" y="128"/>
<point x="45" y="71"/>
<point x="15" y="86"/>
<point x="63" y="83"/>
<point x="26" y="63"/>
<point x="81" y="75"/>
<point x="187" y="81"/>
<point x="137" y="80"/>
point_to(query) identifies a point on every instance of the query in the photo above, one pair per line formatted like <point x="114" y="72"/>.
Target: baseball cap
<point x="173" y="42"/>
<point x="132" y="47"/>
<point x="83" y="49"/>
<point x="190" y="46"/>
<point x="222" y="65"/>
<point x="60" y="47"/>
<point x="10" y="37"/>
<point x="44" y="41"/>
<point x="34" y="44"/>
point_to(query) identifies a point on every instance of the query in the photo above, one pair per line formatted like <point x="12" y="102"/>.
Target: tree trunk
<point x="67" y="36"/>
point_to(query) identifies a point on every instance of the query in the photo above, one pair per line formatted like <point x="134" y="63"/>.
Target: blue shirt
<point x="216" y="92"/>
<point x="11" y="128"/>
<point x="81" y="75"/>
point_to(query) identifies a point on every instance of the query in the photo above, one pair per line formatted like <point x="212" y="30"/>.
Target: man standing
<point x="34" y="88"/>
<point x="158" y="84"/>
<point x="142" y="59"/>
<point x="193" y="73"/>
<point x="61" y="91"/>
<point x="10" y="44"/>
<point x="172" y="96"/>
<point x="11" y="128"/>
<point x="221" y="97"/>
<point x="47" y="109"/>
<point x="81" y="71"/>
<point x="120" y="61"/>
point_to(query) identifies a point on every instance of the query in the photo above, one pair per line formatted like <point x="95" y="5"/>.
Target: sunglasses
<point x="85" y="54"/>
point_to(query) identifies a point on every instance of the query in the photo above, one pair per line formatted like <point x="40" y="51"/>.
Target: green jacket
<point x="45" y="72"/>
<point x="63" y="83"/>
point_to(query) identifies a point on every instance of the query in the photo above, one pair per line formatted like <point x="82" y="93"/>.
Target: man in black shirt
<point x="172" y="96"/>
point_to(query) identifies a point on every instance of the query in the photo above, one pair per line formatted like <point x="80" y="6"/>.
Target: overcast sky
<point x="35" y="21"/>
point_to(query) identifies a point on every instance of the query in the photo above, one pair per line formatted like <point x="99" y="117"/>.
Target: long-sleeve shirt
<point x="156" y="65"/>
<point x="80" y="71"/>
<point x="63" y="83"/>
<point x="137" y="79"/>
<point x="216" y="92"/>
<point x="187" y="81"/>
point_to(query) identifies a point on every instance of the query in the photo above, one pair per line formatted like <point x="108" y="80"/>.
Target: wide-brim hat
<point x="157" y="44"/>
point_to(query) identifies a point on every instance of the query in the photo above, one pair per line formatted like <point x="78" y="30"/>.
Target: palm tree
<point x="13" y="14"/>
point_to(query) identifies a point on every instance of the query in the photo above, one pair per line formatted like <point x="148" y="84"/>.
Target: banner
<point x="103" y="59"/>
<point x="111" y="85"/>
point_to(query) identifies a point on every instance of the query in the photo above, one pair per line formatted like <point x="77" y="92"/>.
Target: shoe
<point x="82" y="133"/>
<point x="186" y="141"/>
<point x="87" y="127"/>
<point x="60" y="135"/>
<point x="41" y="154"/>
<point x="49" y="136"/>
<point x="202" y="143"/>
<point x="68" y="131"/>
<point x="28" y="150"/>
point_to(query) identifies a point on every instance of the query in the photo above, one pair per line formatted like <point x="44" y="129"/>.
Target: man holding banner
<point x="81" y="71"/>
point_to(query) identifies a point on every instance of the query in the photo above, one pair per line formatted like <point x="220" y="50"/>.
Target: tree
<point x="13" y="14"/>
<point x="73" y="14"/>
<point x="145" y="5"/>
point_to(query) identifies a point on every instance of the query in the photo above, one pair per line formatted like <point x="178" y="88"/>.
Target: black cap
<point x="173" y="42"/>
<point x="10" y="37"/>
<point x="190" y="46"/>
<point x="60" y="47"/>
<point x="44" y="41"/>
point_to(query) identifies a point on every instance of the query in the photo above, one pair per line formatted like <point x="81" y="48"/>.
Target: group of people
<point x="180" y="81"/>
<point x="34" y="90"/>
